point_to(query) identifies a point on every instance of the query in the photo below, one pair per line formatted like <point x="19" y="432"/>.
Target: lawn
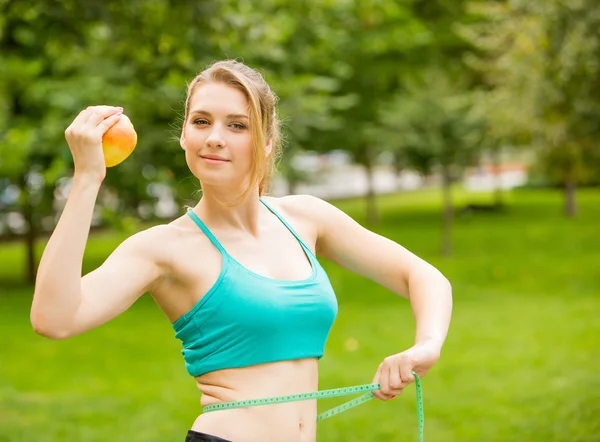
<point x="520" y="363"/>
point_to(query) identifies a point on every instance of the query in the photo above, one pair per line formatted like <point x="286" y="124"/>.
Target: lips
<point x="213" y="157"/>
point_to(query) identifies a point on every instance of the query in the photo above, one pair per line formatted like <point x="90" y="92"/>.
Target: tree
<point x="373" y="51"/>
<point x="542" y="88"/>
<point x="61" y="57"/>
<point x="434" y="123"/>
<point x="29" y="100"/>
<point x="571" y="88"/>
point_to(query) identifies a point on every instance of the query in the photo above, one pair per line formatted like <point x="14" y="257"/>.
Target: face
<point x="216" y="137"/>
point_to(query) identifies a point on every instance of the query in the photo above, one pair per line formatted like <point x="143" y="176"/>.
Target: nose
<point x="215" y="138"/>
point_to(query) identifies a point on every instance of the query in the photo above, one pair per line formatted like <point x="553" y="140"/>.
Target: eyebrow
<point x="233" y="116"/>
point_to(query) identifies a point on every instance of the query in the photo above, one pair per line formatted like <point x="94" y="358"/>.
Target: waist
<point x="269" y="379"/>
<point x="289" y="422"/>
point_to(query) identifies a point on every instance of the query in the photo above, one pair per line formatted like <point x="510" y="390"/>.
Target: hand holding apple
<point x="100" y="137"/>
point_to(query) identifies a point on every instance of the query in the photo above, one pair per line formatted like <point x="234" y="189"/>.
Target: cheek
<point x="246" y="155"/>
<point x="194" y="138"/>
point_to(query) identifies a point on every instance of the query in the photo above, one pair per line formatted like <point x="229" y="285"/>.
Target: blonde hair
<point x="263" y="120"/>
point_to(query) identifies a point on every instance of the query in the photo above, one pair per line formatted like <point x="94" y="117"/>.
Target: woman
<point x="237" y="275"/>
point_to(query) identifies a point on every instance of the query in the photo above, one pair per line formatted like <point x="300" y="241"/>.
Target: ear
<point x="182" y="140"/>
<point x="268" y="148"/>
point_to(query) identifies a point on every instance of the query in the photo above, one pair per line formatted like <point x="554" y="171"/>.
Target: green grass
<point x="520" y="363"/>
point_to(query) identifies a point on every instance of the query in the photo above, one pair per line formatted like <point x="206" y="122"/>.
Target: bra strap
<point x="206" y="231"/>
<point x="285" y="223"/>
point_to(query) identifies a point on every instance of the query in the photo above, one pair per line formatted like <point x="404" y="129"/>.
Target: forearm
<point x="58" y="283"/>
<point x="430" y="295"/>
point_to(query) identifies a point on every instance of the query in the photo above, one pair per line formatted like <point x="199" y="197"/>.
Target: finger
<point x="391" y="392"/>
<point x="396" y="384"/>
<point x="406" y="373"/>
<point x="376" y="380"/>
<point x="81" y="118"/>
<point x="109" y="122"/>
<point x="384" y="381"/>
<point x="86" y="113"/>
<point x="100" y="113"/>
<point x="77" y="122"/>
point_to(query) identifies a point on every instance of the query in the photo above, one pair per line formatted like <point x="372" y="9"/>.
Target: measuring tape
<point x="323" y="394"/>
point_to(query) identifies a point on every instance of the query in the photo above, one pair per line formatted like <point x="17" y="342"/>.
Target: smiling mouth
<point x="211" y="158"/>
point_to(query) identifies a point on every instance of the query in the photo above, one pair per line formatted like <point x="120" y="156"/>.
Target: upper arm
<point x="112" y="288"/>
<point x="345" y="242"/>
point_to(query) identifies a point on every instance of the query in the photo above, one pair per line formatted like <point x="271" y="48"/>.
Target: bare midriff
<point x="290" y="422"/>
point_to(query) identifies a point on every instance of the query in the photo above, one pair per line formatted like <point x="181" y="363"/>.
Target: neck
<point x="218" y="208"/>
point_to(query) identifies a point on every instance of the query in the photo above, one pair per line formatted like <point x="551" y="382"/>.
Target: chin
<point x="215" y="180"/>
<point x="202" y="172"/>
<point x="216" y="177"/>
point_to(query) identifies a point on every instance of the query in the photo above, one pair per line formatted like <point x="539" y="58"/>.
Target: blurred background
<point x="468" y="131"/>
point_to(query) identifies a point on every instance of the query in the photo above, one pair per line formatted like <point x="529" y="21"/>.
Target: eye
<point x="238" y="126"/>
<point x="200" y="121"/>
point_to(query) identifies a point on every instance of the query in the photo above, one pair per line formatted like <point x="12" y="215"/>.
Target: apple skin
<point x="119" y="141"/>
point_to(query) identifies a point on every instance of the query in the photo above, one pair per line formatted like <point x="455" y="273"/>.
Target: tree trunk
<point x="570" y="200"/>
<point x="371" y="197"/>
<point x="398" y="164"/>
<point x="496" y="154"/>
<point x="448" y="213"/>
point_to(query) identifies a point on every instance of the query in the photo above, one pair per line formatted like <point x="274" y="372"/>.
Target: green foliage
<point x="357" y="75"/>
<point x="539" y="64"/>
<point x="433" y="124"/>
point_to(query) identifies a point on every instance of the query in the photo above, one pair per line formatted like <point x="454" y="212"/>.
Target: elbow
<point x="430" y="279"/>
<point x="42" y="328"/>
<point x="434" y="275"/>
<point x="50" y="333"/>
<point x="446" y="286"/>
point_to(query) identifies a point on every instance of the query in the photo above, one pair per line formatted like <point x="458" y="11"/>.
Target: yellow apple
<point x="119" y="141"/>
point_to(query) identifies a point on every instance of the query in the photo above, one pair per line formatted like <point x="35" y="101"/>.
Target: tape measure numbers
<point x="324" y="394"/>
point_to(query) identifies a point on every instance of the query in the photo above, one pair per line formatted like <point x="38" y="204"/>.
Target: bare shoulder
<point x="154" y="242"/>
<point x="320" y="214"/>
<point x="148" y="239"/>
<point x="308" y="207"/>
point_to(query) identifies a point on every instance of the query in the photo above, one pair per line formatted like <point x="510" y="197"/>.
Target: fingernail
<point x="393" y="397"/>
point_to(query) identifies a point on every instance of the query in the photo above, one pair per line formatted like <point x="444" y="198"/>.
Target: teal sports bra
<point x="247" y="319"/>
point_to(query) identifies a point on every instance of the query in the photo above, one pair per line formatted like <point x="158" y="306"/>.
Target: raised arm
<point x="64" y="303"/>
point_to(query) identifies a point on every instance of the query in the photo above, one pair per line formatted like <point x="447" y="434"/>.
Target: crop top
<point x="247" y="319"/>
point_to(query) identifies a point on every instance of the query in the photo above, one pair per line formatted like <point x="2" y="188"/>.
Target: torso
<point x="191" y="266"/>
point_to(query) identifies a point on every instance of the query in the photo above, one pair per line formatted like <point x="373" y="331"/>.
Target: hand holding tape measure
<point x="396" y="371"/>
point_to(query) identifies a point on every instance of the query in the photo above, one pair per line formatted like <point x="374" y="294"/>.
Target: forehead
<point x="218" y="98"/>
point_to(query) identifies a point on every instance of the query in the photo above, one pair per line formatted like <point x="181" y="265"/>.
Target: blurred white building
<point x="487" y="177"/>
